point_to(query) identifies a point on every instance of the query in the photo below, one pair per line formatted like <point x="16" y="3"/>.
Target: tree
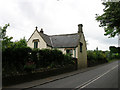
<point x="6" y="41"/>
<point x="110" y="19"/>
<point x="113" y="49"/>
<point x="20" y="43"/>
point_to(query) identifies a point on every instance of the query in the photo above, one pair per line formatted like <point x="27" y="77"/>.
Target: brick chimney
<point x="80" y="28"/>
<point x="41" y="31"/>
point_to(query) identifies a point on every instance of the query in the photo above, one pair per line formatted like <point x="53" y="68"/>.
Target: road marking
<point x="93" y="79"/>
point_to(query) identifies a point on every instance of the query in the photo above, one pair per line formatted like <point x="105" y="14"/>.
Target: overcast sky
<point x="55" y="17"/>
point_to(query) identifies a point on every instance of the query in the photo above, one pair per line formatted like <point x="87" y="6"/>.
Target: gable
<point x="36" y="36"/>
<point x="59" y="41"/>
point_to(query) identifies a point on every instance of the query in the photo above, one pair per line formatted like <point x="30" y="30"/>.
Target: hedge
<point x="13" y="60"/>
<point x="96" y="57"/>
<point x="18" y="61"/>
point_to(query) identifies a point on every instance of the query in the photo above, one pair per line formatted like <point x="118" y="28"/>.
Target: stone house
<point x="73" y="44"/>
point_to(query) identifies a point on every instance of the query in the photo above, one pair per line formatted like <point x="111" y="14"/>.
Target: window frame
<point x="35" y="44"/>
<point x="35" y="41"/>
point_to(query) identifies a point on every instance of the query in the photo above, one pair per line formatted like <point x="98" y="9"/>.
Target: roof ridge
<point x="43" y="34"/>
<point x="63" y="34"/>
<point x="59" y="34"/>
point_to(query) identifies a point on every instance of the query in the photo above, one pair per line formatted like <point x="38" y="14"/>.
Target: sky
<point x="55" y="17"/>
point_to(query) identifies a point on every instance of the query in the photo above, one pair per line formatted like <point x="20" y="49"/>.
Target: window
<point x="69" y="51"/>
<point x="81" y="44"/>
<point x="35" y="44"/>
<point x="35" y="41"/>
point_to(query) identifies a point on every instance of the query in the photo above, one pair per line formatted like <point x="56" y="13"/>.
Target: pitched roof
<point x="67" y="40"/>
<point x="61" y="41"/>
<point x="46" y="38"/>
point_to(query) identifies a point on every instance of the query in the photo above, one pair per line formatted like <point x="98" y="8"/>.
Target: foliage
<point x="24" y="59"/>
<point x="52" y="58"/>
<point x="29" y="66"/>
<point x="110" y="19"/>
<point x="14" y="59"/>
<point x="21" y="43"/>
<point x="3" y="31"/>
<point x="96" y="57"/>
<point x="114" y="52"/>
<point x="113" y="49"/>
<point x="6" y="41"/>
<point x="68" y="59"/>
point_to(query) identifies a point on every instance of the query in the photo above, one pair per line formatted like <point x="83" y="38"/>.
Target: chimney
<point x="80" y="28"/>
<point x="41" y="31"/>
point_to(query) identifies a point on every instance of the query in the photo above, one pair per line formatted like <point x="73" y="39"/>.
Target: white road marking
<point x="93" y="79"/>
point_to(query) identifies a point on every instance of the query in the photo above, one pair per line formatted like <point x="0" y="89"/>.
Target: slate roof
<point x="46" y="38"/>
<point x="61" y="41"/>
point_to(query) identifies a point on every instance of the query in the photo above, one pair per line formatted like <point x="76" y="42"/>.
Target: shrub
<point x="96" y="57"/>
<point x="24" y="59"/>
<point x="68" y="59"/>
<point x="29" y="66"/>
<point x="13" y="59"/>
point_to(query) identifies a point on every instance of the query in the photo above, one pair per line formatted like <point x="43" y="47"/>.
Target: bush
<point x="96" y="57"/>
<point x="24" y="59"/>
<point x="68" y="60"/>
<point x="53" y="58"/>
<point x="13" y="59"/>
<point x="29" y="66"/>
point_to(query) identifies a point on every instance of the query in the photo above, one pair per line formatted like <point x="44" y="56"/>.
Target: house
<point x="73" y="44"/>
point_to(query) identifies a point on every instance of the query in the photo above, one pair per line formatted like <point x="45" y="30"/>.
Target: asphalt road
<point x="105" y="76"/>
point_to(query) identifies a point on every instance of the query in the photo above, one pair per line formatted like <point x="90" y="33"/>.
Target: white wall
<point x="41" y="43"/>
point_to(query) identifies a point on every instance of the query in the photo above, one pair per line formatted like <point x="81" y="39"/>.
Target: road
<point x="105" y="76"/>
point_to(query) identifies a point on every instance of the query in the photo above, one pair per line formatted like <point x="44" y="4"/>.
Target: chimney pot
<point x="41" y="31"/>
<point x="80" y="28"/>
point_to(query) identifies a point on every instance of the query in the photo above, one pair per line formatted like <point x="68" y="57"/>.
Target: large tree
<point x="110" y="19"/>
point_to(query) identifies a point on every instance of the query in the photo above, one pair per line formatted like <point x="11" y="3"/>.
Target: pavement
<point x="35" y="83"/>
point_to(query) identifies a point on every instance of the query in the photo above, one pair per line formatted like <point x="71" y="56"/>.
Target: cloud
<point x="55" y="17"/>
